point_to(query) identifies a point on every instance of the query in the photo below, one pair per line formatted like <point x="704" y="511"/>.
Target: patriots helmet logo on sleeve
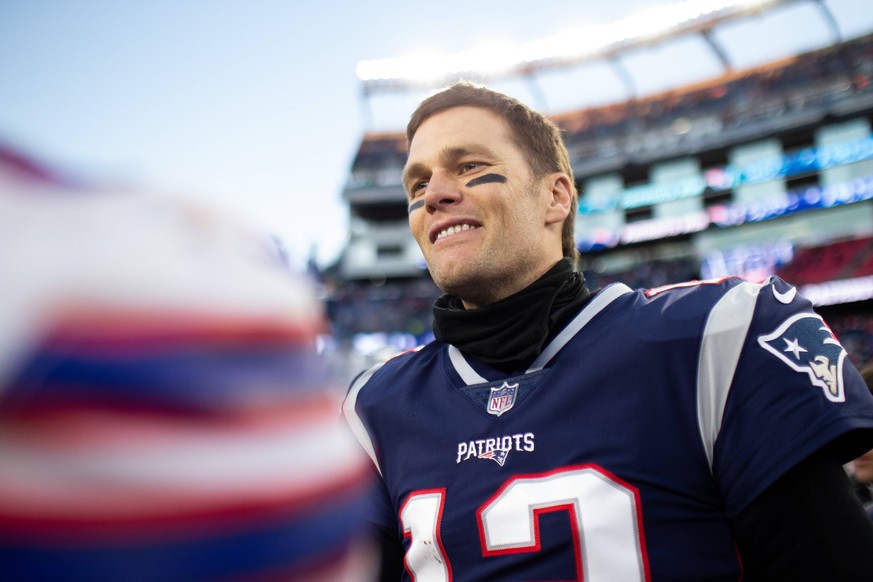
<point x="806" y="344"/>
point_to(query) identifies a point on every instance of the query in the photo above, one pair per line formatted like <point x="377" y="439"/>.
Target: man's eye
<point x="418" y="186"/>
<point x="469" y="166"/>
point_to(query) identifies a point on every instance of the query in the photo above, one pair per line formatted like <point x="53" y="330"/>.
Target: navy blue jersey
<point x="622" y="451"/>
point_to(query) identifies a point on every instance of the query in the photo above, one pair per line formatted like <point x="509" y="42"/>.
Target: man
<point x="685" y="433"/>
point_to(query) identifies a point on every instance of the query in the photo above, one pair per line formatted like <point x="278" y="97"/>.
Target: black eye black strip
<point x="487" y="179"/>
<point x="415" y="205"/>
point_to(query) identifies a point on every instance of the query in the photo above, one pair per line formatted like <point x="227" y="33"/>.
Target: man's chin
<point x="457" y="282"/>
<point x="454" y="273"/>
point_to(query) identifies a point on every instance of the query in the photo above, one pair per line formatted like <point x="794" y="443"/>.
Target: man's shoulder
<point x="413" y="355"/>
<point x="729" y="303"/>
<point x="704" y="295"/>
<point x="684" y="301"/>
<point x="716" y="287"/>
<point x="410" y="361"/>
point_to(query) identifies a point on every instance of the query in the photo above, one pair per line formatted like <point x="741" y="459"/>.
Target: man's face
<point x="486" y="227"/>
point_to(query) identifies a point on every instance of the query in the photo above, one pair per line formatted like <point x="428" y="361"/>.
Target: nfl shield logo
<point x="502" y="399"/>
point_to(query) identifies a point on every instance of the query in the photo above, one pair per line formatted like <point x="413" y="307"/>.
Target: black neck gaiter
<point x="511" y="332"/>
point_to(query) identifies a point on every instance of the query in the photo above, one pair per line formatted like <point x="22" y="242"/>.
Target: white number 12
<point x="604" y="516"/>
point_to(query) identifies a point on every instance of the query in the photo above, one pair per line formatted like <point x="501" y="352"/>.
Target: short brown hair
<point x="538" y="138"/>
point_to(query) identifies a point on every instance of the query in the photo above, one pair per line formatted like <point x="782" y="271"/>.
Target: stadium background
<point x="755" y="168"/>
<point x="752" y="171"/>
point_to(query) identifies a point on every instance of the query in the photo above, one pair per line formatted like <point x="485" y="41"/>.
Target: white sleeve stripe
<point x="723" y="337"/>
<point x="355" y="422"/>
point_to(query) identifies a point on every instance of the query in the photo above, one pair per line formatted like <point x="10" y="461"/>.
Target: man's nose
<point x="442" y="189"/>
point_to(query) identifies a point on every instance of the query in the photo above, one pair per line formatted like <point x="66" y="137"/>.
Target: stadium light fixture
<point x="567" y="48"/>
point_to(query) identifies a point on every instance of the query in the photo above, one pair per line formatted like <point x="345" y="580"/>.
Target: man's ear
<point x="562" y="197"/>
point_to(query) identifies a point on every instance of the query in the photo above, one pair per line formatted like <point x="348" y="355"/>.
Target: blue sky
<point x="254" y="106"/>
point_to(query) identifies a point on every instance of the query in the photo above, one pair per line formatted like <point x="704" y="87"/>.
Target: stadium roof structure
<point x="608" y="44"/>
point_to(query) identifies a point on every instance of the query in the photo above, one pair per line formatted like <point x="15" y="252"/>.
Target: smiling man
<point x="694" y="432"/>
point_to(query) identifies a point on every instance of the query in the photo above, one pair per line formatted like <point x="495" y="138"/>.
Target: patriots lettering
<point x="495" y="448"/>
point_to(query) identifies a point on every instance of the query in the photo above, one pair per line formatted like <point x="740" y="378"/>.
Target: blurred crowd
<point x="403" y="306"/>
